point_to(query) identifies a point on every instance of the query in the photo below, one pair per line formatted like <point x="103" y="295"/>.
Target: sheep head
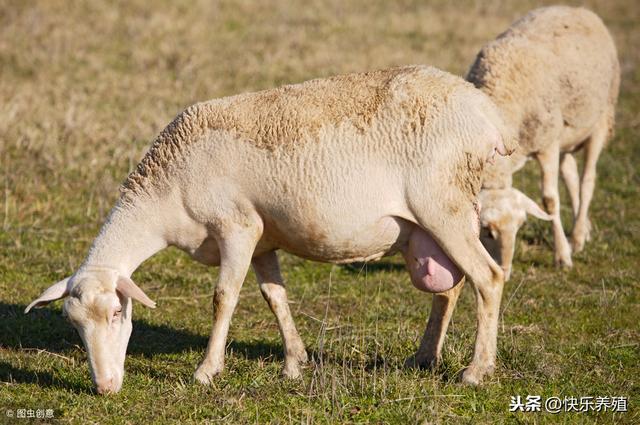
<point x="502" y="214"/>
<point x="98" y="304"/>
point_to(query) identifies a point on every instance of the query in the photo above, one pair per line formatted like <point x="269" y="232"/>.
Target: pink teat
<point x="430" y="268"/>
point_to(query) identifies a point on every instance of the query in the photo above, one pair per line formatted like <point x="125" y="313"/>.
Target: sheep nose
<point x="105" y="385"/>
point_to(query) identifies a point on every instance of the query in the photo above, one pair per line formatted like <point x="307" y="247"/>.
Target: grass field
<point x="85" y="88"/>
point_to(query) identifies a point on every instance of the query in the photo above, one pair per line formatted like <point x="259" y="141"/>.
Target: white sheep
<point x="348" y="168"/>
<point x="555" y="76"/>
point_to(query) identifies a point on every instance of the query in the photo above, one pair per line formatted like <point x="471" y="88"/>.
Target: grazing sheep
<point x="349" y="168"/>
<point x="555" y="76"/>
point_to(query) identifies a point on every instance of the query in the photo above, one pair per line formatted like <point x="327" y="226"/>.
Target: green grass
<point x="86" y="88"/>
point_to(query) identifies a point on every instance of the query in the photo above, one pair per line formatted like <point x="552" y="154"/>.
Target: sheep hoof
<point x="565" y="263"/>
<point x="577" y="244"/>
<point x="302" y="356"/>
<point x="205" y="374"/>
<point x="580" y="235"/>
<point x="422" y="362"/>
<point x="578" y="240"/>
<point x="473" y="375"/>
<point x="291" y="370"/>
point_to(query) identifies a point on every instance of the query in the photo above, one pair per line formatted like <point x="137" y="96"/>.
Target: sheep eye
<point x="116" y="315"/>
<point x="487" y="233"/>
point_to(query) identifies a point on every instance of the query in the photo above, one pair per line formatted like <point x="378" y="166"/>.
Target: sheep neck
<point x="127" y="238"/>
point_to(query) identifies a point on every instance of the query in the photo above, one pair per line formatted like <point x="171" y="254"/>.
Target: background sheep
<point x="555" y="76"/>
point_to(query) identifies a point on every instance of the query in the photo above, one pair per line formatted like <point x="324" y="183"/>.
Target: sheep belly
<point x="430" y="268"/>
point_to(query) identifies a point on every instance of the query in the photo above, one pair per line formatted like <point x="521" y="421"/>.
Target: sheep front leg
<point x="273" y="290"/>
<point x="464" y="248"/>
<point x="429" y="353"/>
<point x="549" y="163"/>
<point x="235" y="256"/>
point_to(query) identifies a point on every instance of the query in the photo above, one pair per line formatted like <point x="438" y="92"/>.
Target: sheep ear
<point x="53" y="293"/>
<point x="531" y="207"/>
<point x="128" y="288"/>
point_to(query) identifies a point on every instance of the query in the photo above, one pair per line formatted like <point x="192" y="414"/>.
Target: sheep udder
<point x="430" y="268"/>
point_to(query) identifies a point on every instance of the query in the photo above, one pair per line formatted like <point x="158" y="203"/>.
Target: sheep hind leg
<point x="550" y="163"/>
<point x="429" y="353"/>
<point x="236" y="249"/>
<point x="569" y="171"/>
<point x="582" y="229"/>
<point x="273" y="290"/>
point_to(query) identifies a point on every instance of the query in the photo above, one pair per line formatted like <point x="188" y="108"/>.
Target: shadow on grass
<point x="10" y="373"/>
<point x="377" y="363"/>
<point x="46" y="329"/>
<point x="377" y="266"/>
<point x="256" y="350"/>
